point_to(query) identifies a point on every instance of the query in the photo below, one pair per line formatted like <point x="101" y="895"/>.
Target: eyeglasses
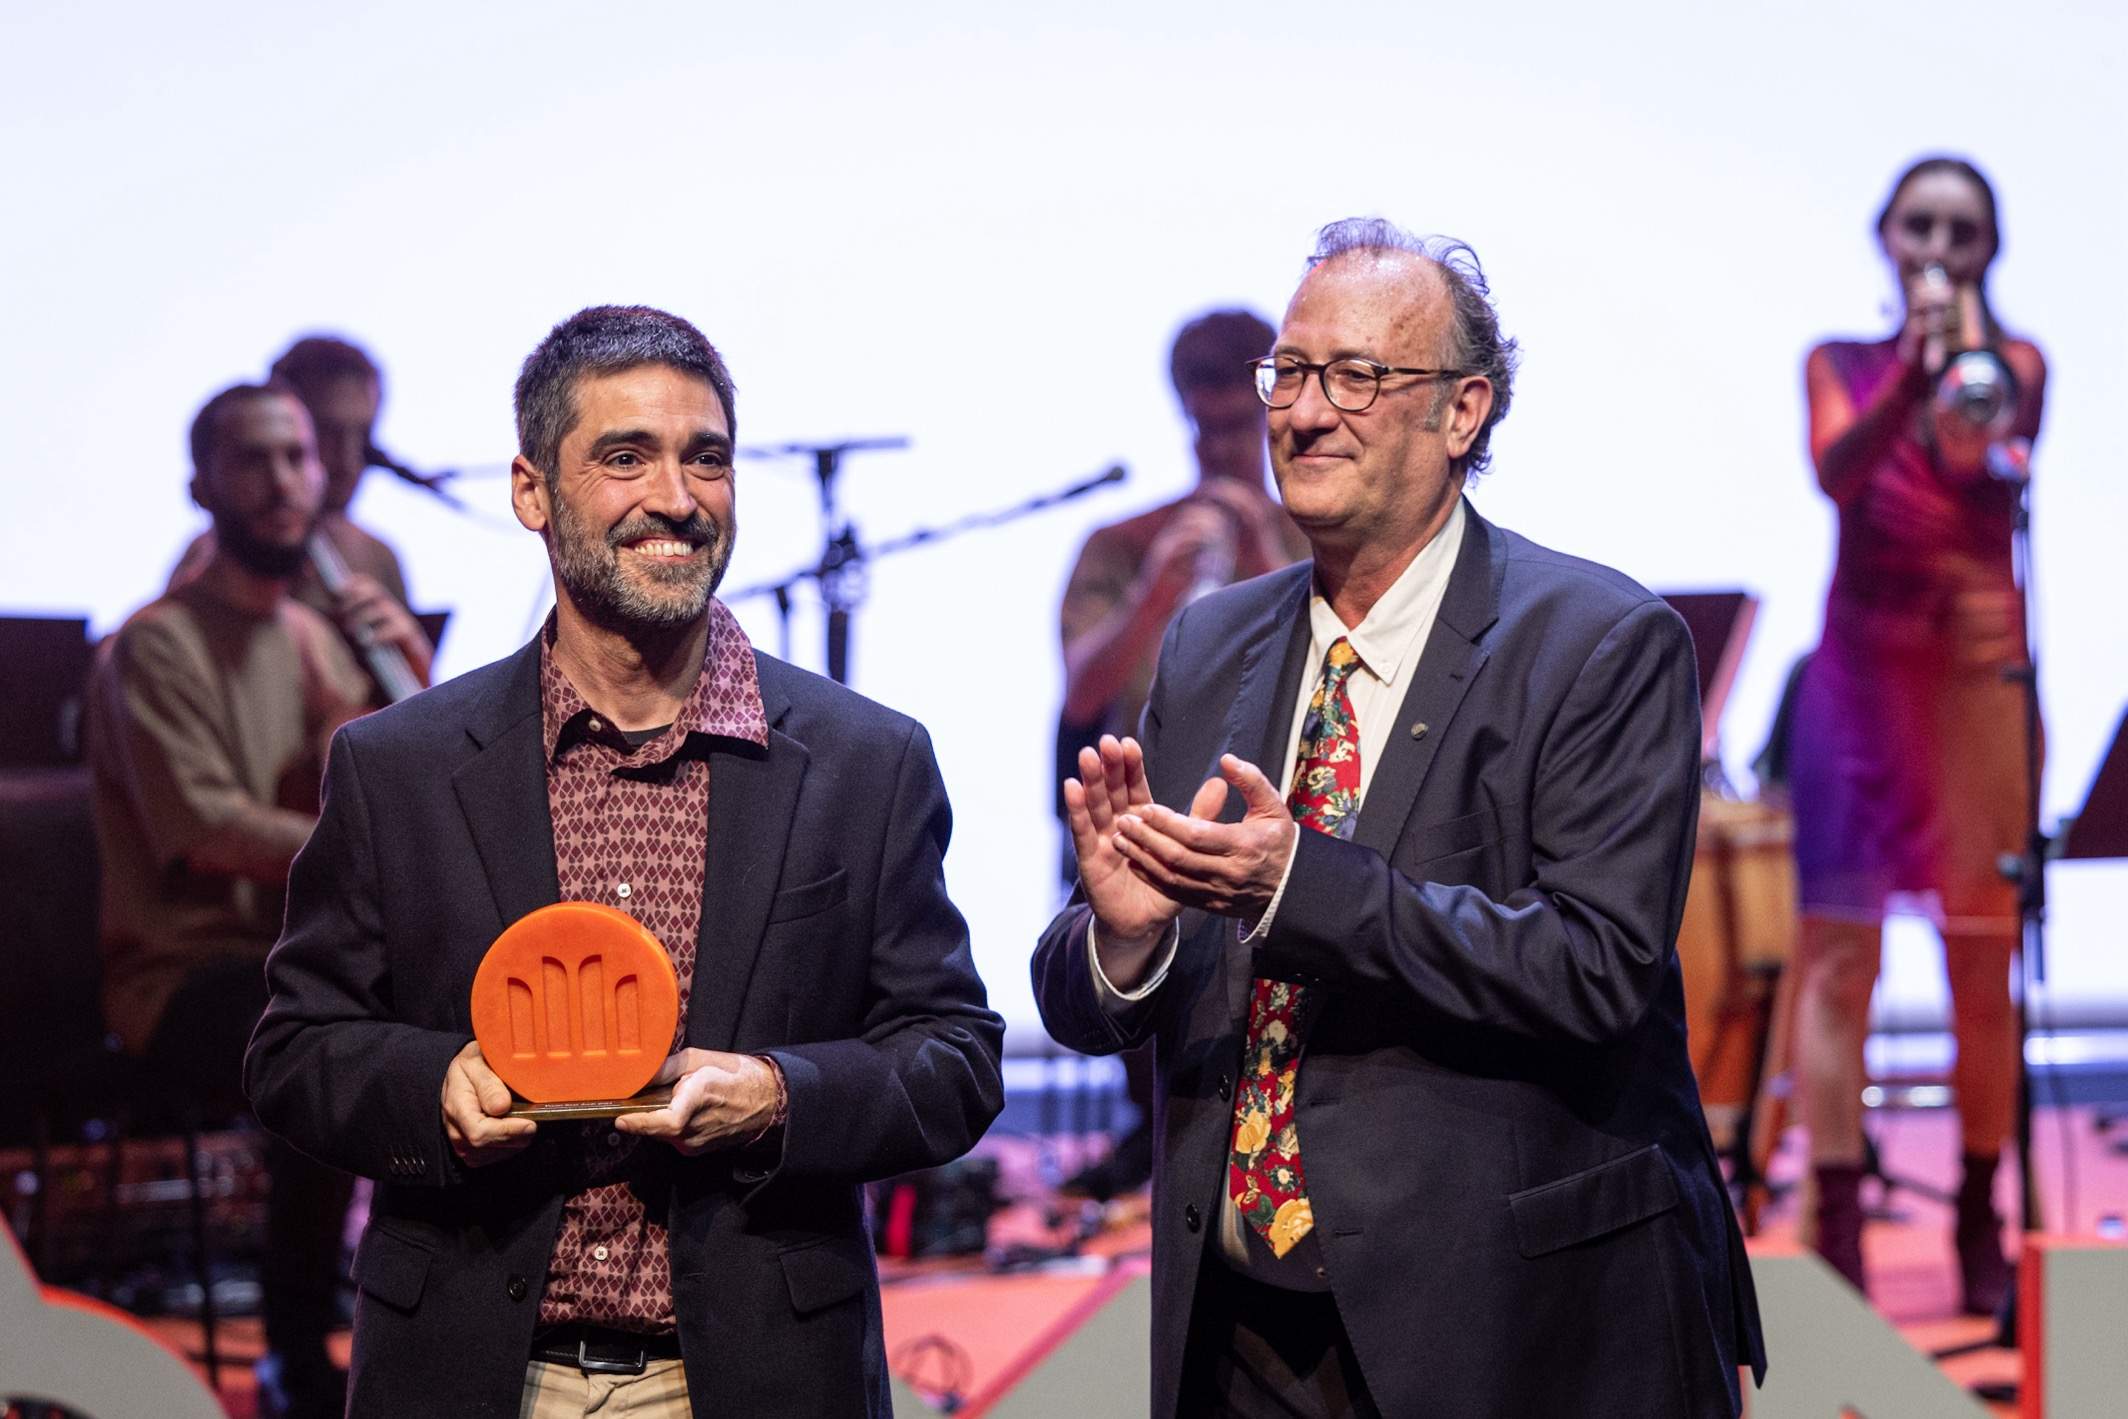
<point x="1351" y="385"/>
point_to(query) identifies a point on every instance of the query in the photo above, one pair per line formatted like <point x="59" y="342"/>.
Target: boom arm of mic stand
<point x="430" y="483"/>
<point x="975" y="521"/>
<point x="782" y="586"/>
<point x="843" y="558"/>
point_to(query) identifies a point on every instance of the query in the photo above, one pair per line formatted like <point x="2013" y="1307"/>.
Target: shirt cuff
<point x="1105" y="992"/>
<point x="1254" y="935"/>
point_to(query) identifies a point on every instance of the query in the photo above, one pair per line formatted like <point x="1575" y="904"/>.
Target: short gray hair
<point x="1474" y="326"/>
<point x="601" y="340"/>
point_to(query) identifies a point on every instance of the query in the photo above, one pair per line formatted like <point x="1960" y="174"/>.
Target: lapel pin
<point x="1418" y="731"/>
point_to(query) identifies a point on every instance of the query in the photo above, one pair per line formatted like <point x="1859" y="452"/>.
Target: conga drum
<point x="1737" y="934"/>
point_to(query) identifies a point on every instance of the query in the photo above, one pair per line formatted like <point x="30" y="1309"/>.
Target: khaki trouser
<point x="565" y="1392"/>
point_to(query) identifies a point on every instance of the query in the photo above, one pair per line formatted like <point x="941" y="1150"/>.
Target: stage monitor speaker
<point x="1034" y="1345"/>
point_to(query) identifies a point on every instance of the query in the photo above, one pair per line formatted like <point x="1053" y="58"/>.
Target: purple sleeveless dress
<point x="1908" y="775"/>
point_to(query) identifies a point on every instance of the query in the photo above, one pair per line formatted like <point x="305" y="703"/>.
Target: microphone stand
<point x="2028" y="870"/>
<point x="840" y="570"/>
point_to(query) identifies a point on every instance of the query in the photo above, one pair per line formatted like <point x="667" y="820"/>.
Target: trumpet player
<point x="1910" y="778"/>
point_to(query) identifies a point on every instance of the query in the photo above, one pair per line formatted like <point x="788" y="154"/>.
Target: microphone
<point x="2010" y="461"/>
<point x="1936" y="341"/>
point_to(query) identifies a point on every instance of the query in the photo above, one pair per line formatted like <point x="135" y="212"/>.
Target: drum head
<point x="575" y="1001"/>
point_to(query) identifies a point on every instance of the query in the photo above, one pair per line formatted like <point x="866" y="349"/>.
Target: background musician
<point x="209" y="714"/>
<point x="1131" y="576"/>
<point x="1908" y="769"/>
<point x="342" y="388"/>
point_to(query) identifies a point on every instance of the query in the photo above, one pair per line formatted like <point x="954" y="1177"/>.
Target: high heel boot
<point x="1840" y="1220"/>
<point x="1983" y="1274"/>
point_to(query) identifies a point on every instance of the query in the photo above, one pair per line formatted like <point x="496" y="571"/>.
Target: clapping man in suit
<point x="1392" y="884"/>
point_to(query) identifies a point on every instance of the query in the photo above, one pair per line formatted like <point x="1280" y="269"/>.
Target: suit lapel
<point x="1260" y="720"/>
<point x="502" y="791"/>
<point x="753" y="799"/>
<point x="1455" y="649"/>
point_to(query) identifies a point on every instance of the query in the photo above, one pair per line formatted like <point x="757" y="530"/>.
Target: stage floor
<point x="993" y="1323"/>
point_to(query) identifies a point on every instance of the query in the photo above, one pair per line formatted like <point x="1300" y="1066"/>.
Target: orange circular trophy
<point x="575" y="1006"/>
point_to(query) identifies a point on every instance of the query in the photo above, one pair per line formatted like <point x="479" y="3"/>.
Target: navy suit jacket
<point x="827" y="942"/>
<point x="1511" y="1177"/>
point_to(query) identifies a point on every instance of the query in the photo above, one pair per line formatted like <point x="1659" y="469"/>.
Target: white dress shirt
<point x="1388" y="640"/>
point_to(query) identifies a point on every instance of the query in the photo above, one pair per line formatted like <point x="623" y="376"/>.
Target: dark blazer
<point x="827" y="942"/>
<point x="1512" y="1181"/>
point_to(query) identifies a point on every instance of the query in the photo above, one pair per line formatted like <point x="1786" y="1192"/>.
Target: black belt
<point x="598" y="1350"/>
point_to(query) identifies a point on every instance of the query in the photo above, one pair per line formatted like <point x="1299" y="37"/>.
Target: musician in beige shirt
<point x="209" y="714"/>
<point x="342" y="390"/>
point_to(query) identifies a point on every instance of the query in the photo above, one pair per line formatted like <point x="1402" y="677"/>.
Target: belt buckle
<point x="591" y="1366"/>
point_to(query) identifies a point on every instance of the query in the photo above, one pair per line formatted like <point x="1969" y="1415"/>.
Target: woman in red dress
<point x="1909" y="760"/>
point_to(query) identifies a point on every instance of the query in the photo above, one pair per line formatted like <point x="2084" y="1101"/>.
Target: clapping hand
<point x="1229" y="869"/>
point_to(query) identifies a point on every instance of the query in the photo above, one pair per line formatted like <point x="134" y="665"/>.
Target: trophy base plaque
<point x="648" y="1101"/>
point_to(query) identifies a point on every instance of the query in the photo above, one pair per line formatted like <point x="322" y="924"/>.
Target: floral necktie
<point x="1263" y="1168"/>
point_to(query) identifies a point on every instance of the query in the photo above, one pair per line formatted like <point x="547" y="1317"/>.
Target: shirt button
<point x="598" y="1253"/>
<point x="594" y="725"/>
<point x="624" y="891"/>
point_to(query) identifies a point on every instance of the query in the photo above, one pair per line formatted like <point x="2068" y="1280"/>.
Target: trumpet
<point x="1972" y="381"/>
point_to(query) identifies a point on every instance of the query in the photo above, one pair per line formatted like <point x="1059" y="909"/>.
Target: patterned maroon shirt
<point x="631" y="830"/>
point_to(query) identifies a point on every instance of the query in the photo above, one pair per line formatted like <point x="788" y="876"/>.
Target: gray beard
<point x="589" y="568"/>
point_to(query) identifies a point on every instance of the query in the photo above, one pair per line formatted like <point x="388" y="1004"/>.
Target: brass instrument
<point x="1972" y="381"/>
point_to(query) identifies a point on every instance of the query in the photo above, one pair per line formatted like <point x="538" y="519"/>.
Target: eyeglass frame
<point x="1270" y="364"/>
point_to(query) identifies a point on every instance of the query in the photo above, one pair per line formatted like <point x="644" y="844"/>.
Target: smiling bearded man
<point x="781" y="837"/>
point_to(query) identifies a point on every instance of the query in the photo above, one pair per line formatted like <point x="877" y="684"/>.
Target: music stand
<point x="1720" y="624"/>
<point x="432" y="626"/>
<point x="48" y="659"/>
<point x="2099" y="831"/>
